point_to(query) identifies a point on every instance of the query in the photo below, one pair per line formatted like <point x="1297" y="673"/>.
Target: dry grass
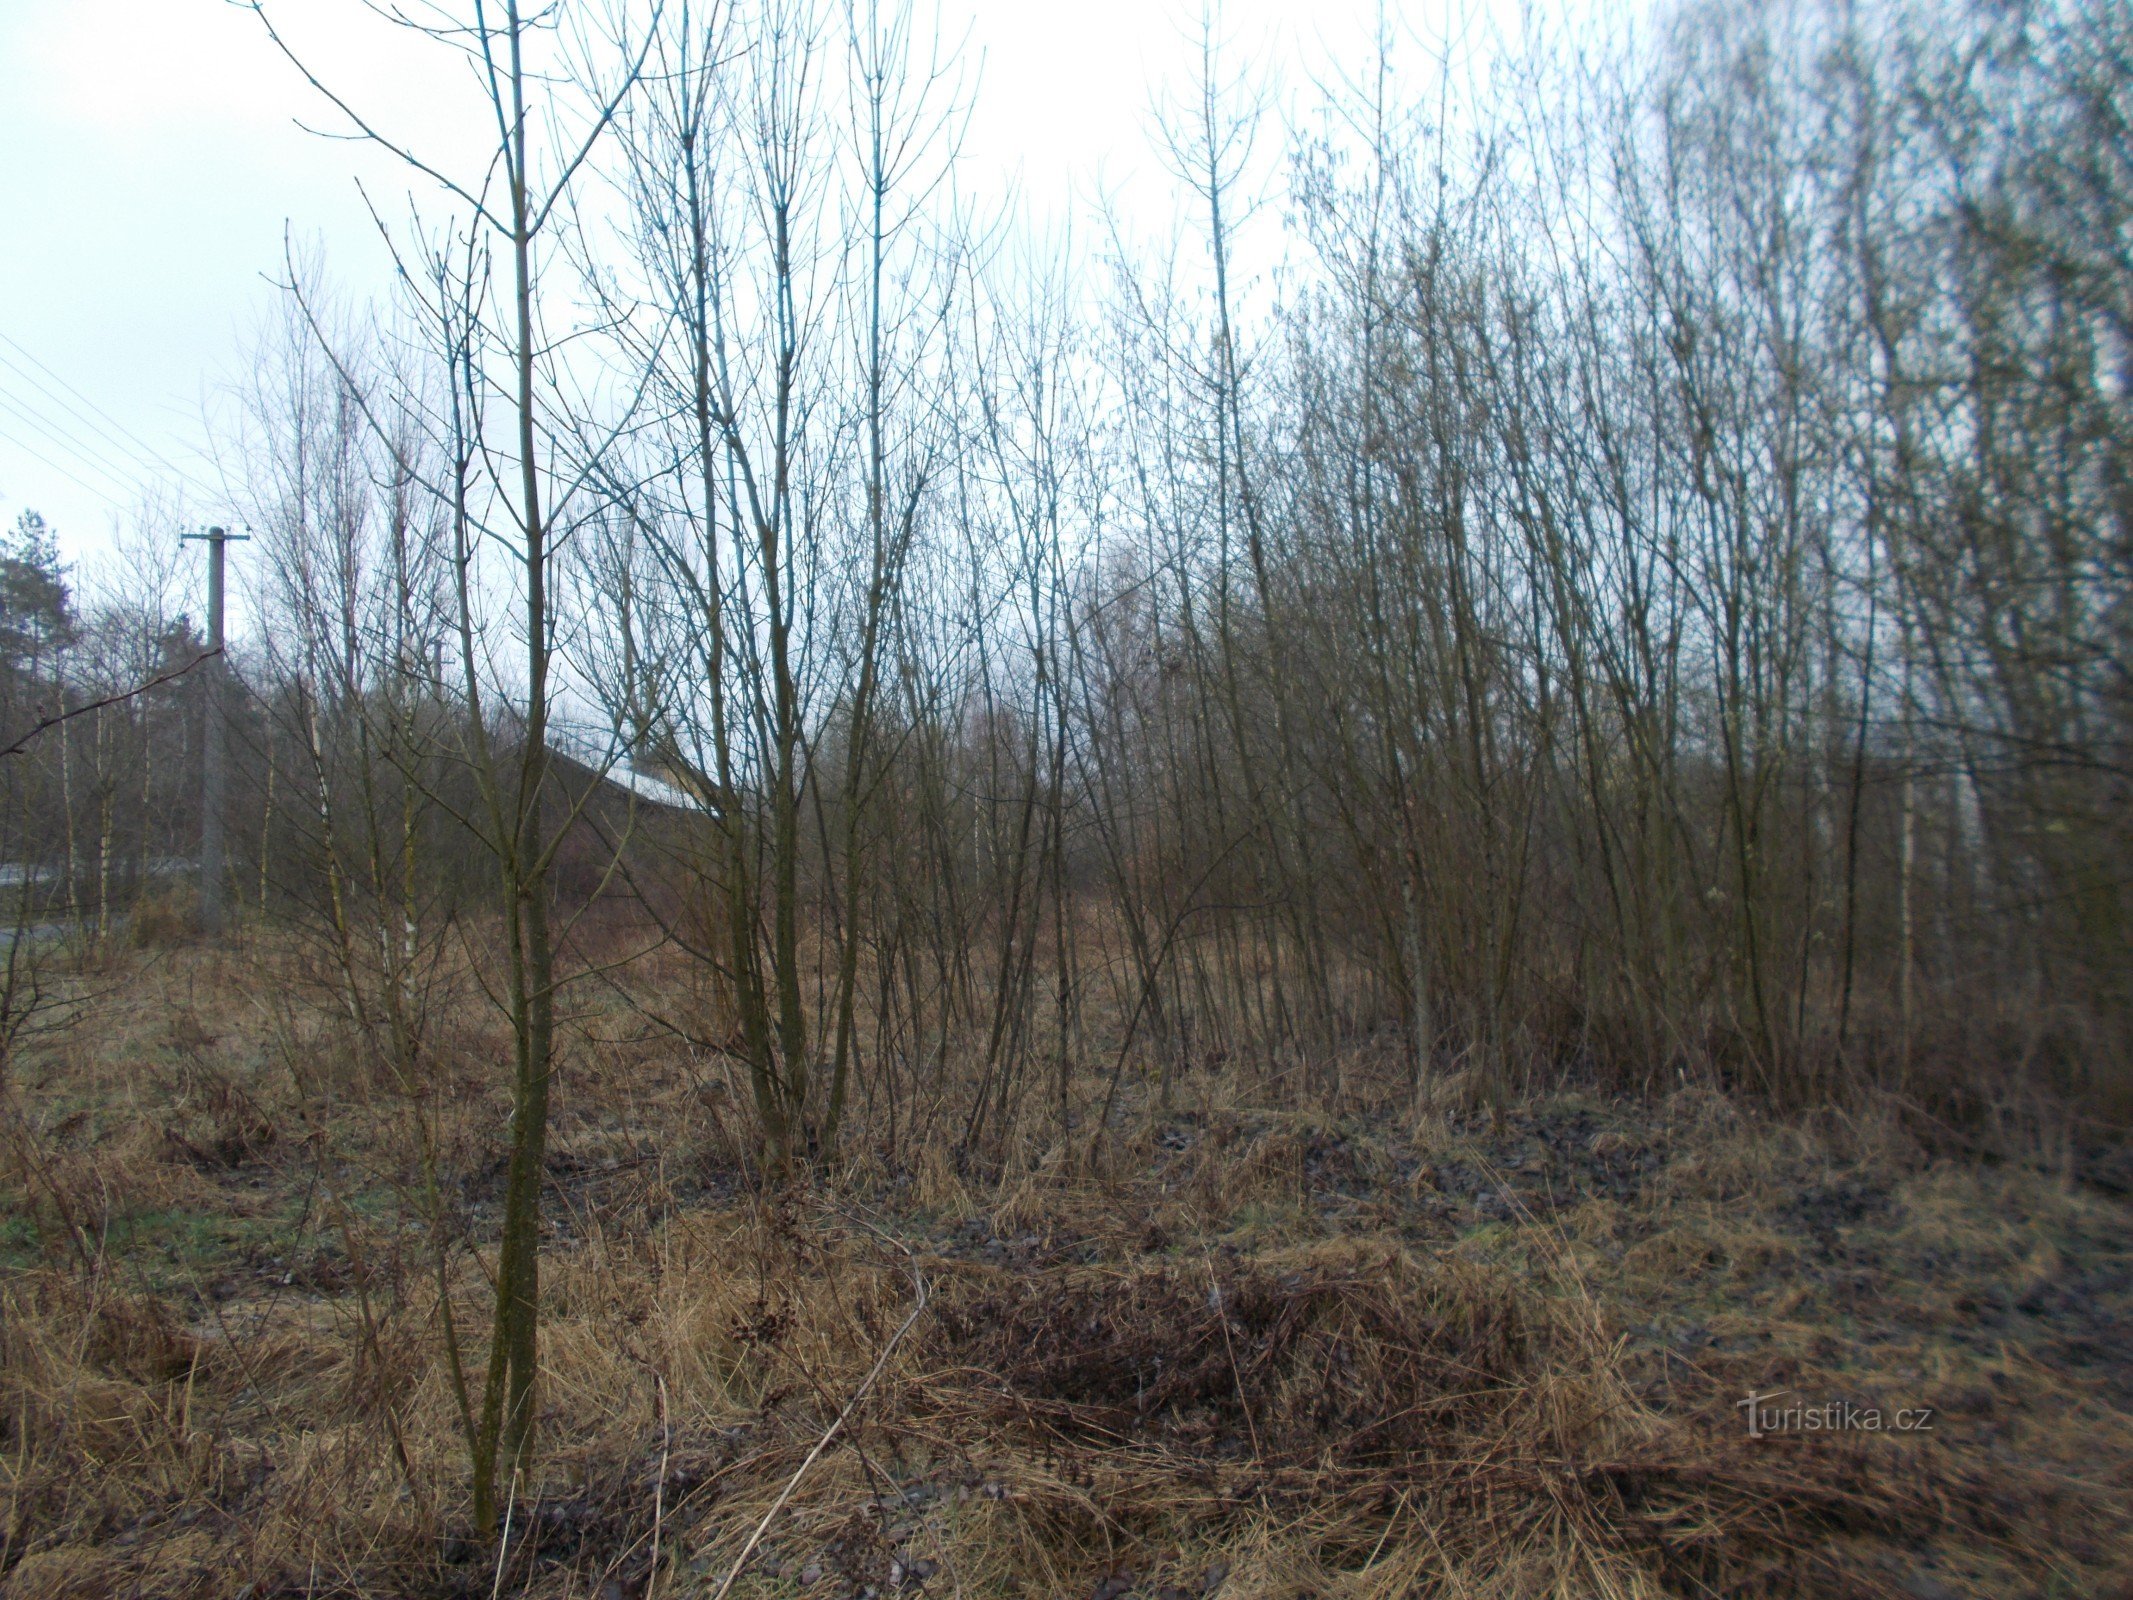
<point x="1261" y="1352"/>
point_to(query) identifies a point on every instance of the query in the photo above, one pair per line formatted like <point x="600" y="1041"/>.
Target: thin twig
<point x="503" y="1545"/>
<point x="120" y="698"/>
<point x="659" y="1490"/>
<point x="822" y="1443"/>
<point x="1235" y="1373"/>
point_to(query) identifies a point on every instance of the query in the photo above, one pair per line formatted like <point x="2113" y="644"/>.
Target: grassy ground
<point x="1257" y="1352"/>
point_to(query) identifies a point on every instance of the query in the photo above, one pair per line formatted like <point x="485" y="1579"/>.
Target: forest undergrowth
<point x="1372" y="1345"/>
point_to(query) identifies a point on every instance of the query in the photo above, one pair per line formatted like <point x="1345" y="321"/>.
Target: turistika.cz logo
<point x="1766" y="1416"/>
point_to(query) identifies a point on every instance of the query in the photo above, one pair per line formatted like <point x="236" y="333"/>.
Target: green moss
<point x="21" y="1242"/>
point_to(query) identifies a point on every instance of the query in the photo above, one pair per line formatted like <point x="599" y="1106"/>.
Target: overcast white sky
<point x="150" y="163"/>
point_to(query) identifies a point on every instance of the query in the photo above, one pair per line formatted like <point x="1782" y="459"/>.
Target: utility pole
<point x="214" y="736"/>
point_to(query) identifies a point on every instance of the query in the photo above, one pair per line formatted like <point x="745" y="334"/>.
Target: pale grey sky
<point x="150" y="163"/>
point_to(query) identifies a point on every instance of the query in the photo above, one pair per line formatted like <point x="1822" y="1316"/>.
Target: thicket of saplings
<point x="1639" y="595"/>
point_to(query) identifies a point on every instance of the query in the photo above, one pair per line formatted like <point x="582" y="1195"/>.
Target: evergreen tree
<point x="36" y="606"/>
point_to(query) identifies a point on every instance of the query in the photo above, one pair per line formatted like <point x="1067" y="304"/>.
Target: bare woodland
<point x="1605" y="569"/>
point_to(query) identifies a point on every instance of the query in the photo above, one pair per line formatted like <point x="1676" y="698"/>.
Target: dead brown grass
<point x="1356" y="1351"/>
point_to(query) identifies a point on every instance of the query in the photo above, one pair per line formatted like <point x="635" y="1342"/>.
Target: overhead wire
<point x="118" y="427"/>
<point x="46" y="461"/>
<point x="102" y="426"/>
<point x="87" y="453"/>
<point x="92" y="449"/>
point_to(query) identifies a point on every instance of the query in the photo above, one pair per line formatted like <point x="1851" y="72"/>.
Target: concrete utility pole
<point x="214" y="737"/>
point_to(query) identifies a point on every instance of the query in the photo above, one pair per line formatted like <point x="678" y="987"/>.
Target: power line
<point x="85" y="452"/>
<point x="124" y="432"/>
<point x="51" y="414"/>
<point x="83" y="437"/>
<point x="46" y="461"/>
<point x="48" y="436"/>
